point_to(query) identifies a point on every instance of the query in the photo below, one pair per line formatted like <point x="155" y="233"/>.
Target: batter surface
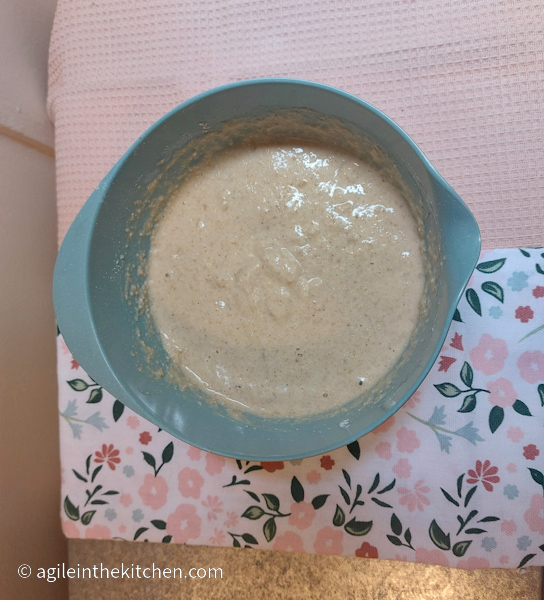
<point x="285" y="280"/>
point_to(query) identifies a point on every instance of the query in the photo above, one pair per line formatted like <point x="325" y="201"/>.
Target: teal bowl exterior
<point x="98" y="325"/>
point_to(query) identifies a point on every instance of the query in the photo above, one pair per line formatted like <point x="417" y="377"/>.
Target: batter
<point x="286" y="280"/>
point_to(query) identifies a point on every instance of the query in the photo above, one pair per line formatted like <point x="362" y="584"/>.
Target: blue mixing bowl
<point x="105" y="330"/>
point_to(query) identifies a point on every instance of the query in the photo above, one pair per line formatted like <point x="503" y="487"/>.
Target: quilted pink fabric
<point x="456" y="476"/>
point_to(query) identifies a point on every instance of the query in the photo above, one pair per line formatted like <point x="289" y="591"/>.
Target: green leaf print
<point x="537" y="476"/>
<point x="355" y="449"/>
<point x="269" y="529"/>
<point x="72" y="512"/>
<point x="493" y="289"/>
<point x="86" y="517"/>
<point x="78" y="385"/>
<point x="396" y="525"/>
<point x="95" y="396"/>
<point x="460" y="548"/>
<point x="541" y="393"/>
<point x="491" y="266"/>
<point x="469" y="404"/>
<point x="272" y="502"/>
<point x="297" y="491"/>
<point x="253" y="513"/>
<point x="496" y="417"/>
<point x="474" y="301"/>
<point x="358" y="528"/>
<point x="457" y="316"/>
<point x="167" y="453"/>
<point x="467" y="375"/>
<point x="118" y="409"/>
<point x="319" y="501"/>
<point x="438" y="537"/>
<point x="448" y="390"/>
<point x="521" y="408"/>
<point x="339" y="517"/>
<point x="249" y="539"/>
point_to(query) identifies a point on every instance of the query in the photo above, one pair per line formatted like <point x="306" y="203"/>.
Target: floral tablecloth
<point x="455" y="477"/>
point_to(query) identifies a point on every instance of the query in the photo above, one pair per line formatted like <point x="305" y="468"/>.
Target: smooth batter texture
<point x="285" y="280"/>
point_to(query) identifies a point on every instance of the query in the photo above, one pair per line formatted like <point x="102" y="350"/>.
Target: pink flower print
<point x="407" y="440"/>
<point x="445" y="363"/>
<point x="313" y="477"/>
<point x="302" y="515"/>
<point x="126" y="500"/>
<point x="515" y="434"/>
<point x="145" y="438"/>
<point x="383" y="450"/>
<point x="502" y="392"/>
<point x="214" y="463"/>
<point x="401" y="557"/>
<point x="271" y="467"/>
<point x="534" y="516"/>
<point x="289" y="542"/>
<point x="432" y="557"/>
<point x="524" y="313"/>
<point x="129" y="450"/>
<point x="538" y="292"/>
<point x="484" y="473"/>
<point x="511" y="467"/>
<point x="133" y="422"/>
<point x="473" y="563"/>
<point x="504" y="559"/>
<point x="489" y="355"/>
<point x="218" y="538"/>
<point x="183" y="524"/>
<point x="509" y="527"/>
<point x="69" y="528"/>
<point x="154" y="491"/>
<point x="416" y="498"/>
<point x="74" y="364"/>
<point x="457" y="341"/>
<point x="214" y="506"/>
<point x="329" y="541"/>
<point x="108" y="455"/>
<point x="189" y="483"/>
<point x="366" y="551"/>
<point x="194" y="453"/>
<point x="403" y="469"/>
<point x="385" y="426"/>
<point x="414" y="399"/>
<point x="531" y="366"/>
<point x="327" y="462"/>
<point x="530" y="452"/>
<point x="98" y="532"/>
<point x="122" y="528"/>
<point x="231" y="520"/>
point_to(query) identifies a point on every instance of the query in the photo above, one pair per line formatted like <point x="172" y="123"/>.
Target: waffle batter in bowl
<point x="286" y="279"/>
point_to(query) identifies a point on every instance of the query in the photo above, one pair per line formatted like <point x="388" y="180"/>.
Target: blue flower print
<point x="489" y="544"/>
<point x="137" y="515"/>
<point x="518" y="281"/>
<point x="511" y="491"/>
<point x="524" y="542"/>
<point x="110" y="514"/>
<point x="495" y="312"/>
<point x="128" y="471"/>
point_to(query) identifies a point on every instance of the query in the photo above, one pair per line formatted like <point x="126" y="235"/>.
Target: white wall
<point x="29" y="467"/>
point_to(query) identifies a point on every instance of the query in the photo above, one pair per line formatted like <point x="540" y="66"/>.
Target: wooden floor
<point x="248" y="574"/>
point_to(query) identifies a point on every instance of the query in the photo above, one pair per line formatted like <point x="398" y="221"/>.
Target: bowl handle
<point x="71" y="297"/>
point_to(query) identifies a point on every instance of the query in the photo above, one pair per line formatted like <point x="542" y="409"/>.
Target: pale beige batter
<point x="286" y="279"/>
